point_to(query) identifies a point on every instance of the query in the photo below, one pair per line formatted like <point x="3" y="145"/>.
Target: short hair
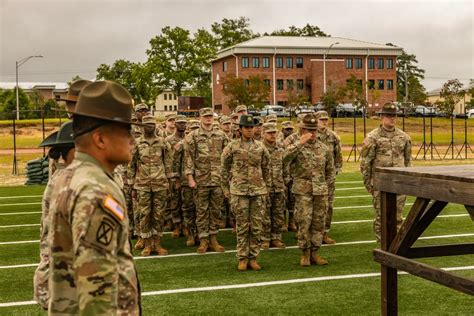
<point x="84" y="124"/>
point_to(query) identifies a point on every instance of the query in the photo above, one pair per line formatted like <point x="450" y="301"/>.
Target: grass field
<point x="186" y="283"/>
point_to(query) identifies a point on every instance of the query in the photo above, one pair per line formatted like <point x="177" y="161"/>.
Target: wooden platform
<point x="434" y="188"/>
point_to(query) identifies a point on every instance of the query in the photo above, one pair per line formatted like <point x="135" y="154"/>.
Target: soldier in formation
<point x="385" y="146"/>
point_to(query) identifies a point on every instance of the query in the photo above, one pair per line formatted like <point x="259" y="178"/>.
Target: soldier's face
<point x="149" y="128"/>
<point x="247" y="131"/>
<point x="270" y="136"/>
<point x="287" y="131"/>
<point x="257" y="130"/>
<point x="389" y="120"/>
<point x="207" y="120"/>
<point x="322" y="123"/>
<point x="118" y="143"/>
<point x="170" y="124"/>
<point x="225" y="127"/>
<point x="181" y="126"/>
<point x="140" y="114"/>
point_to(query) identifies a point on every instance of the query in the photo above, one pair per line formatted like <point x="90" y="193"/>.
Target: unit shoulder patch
<point x="113" y="207"/>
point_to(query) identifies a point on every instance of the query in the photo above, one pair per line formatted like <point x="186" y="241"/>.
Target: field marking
<point x="20" y="225"/>
<point x="19" y="213"/>
<point x="349" y="182"/>
<point x="18" y="242"/>
<point x="19" y="196"/>
<point x="191" y="254"/>
<point x="353" y="196"/>
<point x="348" y="189"/>
<point x="19" y="204"/>
<point x="257" y="284"/>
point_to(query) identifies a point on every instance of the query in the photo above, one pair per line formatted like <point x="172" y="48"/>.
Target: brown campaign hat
<point x="74" y="90"/>
<point x="322" y="115"/>
<point x="388" y="108"/>
<point x="105" y="100"/>
<point x="309" y="122"/>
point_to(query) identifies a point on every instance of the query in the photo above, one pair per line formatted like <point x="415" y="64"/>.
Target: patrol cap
<point x="194" y="124"/>
<point x="149" y="119"/>
<point x="271" y="118"/>
<point x="49" y="141"/>
<point x="322" y="115"/>
<point x="309" y="122"/>
<point x="181" y="119"/>
<point x="170" y="116"/>
<point x="65" y="135"/>
<point x="234" y="115"/>
<point x="206" y="112"/>
<point x="141" y="107"/>
<point x="269" y="127"/>
<point x="246" y="120"/>
<point x="74" y="90"/>
<point x="240" y="108"/>
<point x="287" y="125"/>
<point x="105" y="100"/>
<point x="224" y="119"/>
<point x="258" y="120"/>
<point x="388" y="108"/>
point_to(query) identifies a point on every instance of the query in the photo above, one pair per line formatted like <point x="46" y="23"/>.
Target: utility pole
<point x="405" y="99"/>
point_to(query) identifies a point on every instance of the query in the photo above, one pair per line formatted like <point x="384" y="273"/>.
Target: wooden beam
<point x="399" y="244"/>
<point x="440" y="251"/>
<point x="424" y="271"/>
<point x="389" y="295"/>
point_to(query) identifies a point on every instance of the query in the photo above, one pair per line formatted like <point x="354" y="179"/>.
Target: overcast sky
<point x="75" y="36"/>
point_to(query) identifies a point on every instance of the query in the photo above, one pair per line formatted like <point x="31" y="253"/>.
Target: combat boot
<point x="254" y="265"/>
<point x="317" y="260"/>
<point x="191" y="241"/>
<point x="265" y="245"/>
<point x="328" y="240"/>
<point x="305" y="260"/>
<point x="140" y="244"/>
<point x="185" y="232"/>
<point x="215" y="244"/>
<point x="276" y="243"/>
<point x="158" y="248"/>
<point x="168" y="225"/>
<point x="204" y="244"/>
<point x="242" y="264"/>
<point x="176" y="231"/>
<point x="148" y="247"/>
<point x="291" y="224"/>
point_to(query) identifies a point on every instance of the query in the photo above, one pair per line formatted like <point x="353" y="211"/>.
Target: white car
<point x="277" y="110"/>
<point x="470" y="113"/>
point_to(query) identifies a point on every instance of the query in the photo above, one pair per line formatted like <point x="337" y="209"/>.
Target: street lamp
<point x="324" y="65"/>
<point x="18" y="64"/>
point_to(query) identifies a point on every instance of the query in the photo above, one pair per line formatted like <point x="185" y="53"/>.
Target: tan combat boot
<point x="317" y="260"/>
<point x="185" y="232"/>
<point x="140" y="244"/>
<point x="265" y="245"/>
<point x="242" y="264"/>
<point x="276" y="243"/>
<point x="254" y="265"/>
<point x="291" y="223"/>
<point x="328" y="240"/>
<point x="191" y="241"/>
<point x="148" y="247"/>
<point x="305" y="260"/>
<point x="204" y="244"/>
<point x="158" y="248"/>
<point x="214" y="245"/>
<point x="176" y="231"/>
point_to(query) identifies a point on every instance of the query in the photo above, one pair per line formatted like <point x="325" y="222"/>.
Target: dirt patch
<point x="11" y="180"/>
<point x="34" y="131"/>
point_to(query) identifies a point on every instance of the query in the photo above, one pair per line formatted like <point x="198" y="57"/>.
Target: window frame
<point x="379" y="81"/>
<point x="298" y="86"/>
<point x="257" y="64"/>
<point x="380" y="63"/>
<point x="298" y="64"/>
<point x="246" y="63"/>
<point x="266" y="61"/>
<point x="371" y="63"/>
<point x="358" y="63"/>
<point x="289" y="59"/>
<point x="278" y="62"/>
<point x="282" y="84"/>
<point x="348" y="63"/>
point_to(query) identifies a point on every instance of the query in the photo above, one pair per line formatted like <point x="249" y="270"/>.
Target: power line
<point x="52" y="72"/>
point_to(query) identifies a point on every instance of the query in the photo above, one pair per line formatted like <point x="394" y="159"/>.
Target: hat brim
<point x="49" y="141"/>
<point x="69" y="98"/>
<point x="273" y="130"/>
<point x="116" y="120"/>
<point x="385" y="112"/>
<point x="310" y="127"/>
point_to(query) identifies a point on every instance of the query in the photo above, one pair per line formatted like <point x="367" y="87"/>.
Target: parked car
<point x="277" y="110"/>
<point x="347" y="110"/>
<point x="253" y="111"/>
<point x="421" y="110"/>
<point x="303" y="110"/>
<point x="470" y="113"/>
<point x="319" y="107"/>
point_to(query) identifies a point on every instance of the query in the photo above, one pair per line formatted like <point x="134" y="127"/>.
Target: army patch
<point x="105" y="232"/>
<point x="114" y="207"/>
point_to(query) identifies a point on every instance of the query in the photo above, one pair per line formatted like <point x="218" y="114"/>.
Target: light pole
<point x="324" y="65"/>
<point x="18" y="64"/>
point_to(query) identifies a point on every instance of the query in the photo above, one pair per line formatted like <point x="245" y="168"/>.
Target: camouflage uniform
<point x="274" y="213"/>
<point x="151" y="168"/>
<point x="383" y="148"/>
<point x="249" y="163"/>
<point x="313" y="172"/>
<point x="203" y="150"/>
<point x="122" y="170"/>
<point x="91" y="264"/>
<point x="333" y="142"/>
<point x="174" y="205"/>
<point x="289" y="172"/>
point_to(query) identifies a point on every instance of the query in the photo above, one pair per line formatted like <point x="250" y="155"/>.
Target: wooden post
<point x="389" y="298"/>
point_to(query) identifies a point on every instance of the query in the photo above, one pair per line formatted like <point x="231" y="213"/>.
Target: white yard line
<point x="19" y="204"/>
<point x="348" y="182"/>
<point x="19" y="242"/>
<point x="19" y="196"/>
<point x="19" y="213"/>
<point x="256" y="284"/>
<point x="353" y="196"/>
<point x="349" y="189"/>
<point x="21" y="225"/>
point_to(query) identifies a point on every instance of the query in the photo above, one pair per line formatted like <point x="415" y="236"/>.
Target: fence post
<point x="15" y="165"/>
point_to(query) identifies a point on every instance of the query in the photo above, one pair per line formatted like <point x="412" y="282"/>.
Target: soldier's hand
<point x="226" y="194"/>
<point x="192" y="183"/>
<point x="178" y="184"/>
<point x="370" y="190"/>
<point x="305" y="138"/>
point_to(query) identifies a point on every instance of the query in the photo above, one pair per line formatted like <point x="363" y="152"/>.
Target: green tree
<point x="452" y="92"/>
<point x="407" y="67"/>
<point x="334" y="95"/>
<point x="251" y="92"/>
<point x="9" y="104"/>
<point x="231" y="32"/>
<point x="354" y="92"/>
<point x="308" y="30"/>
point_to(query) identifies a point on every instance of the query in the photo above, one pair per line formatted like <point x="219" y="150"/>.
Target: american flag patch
<point x="114" y="207"/>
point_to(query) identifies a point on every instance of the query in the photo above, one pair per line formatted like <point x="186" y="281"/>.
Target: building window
<point x="266" y="62"/>
<point x="299" y="62"/>
<point x="171" y="97"/>
<point x="255" y="62"/>
<point x="390" y="63"/>
<point x="289" y="84"/>
<point x="266" y="82"/>
<point x="166" y="108"/>
<point x="279" y="84"/>
<point x="175" y="107"/>
<point x="389" y="84"/>
<point x="224" y="66"/>
<point x="289" y="62"/>
<point x="371" y="64"/>
<point x="246" y="82"/>
<point x="245" y="62"/>
<point x="380" y="84"/>
<point x="371" y="84"/>
<point x="300" y="84"/>
<point x="348" y="63"/>
<point x="279" y="62"/>
<point x="358" y="63"/>
<point x="165" y="96"/>
<point x="380" y="63"/>
<point x="175" y="96"/>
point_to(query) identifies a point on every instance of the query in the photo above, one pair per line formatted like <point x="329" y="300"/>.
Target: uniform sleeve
<point x="330" y="171"/>
<point x="266" y="167"/>
<point x="95" y="234"/>
<point x="177" y="158"/>
<point x="291" y="151"/>
<point x="189" y="155"/>
<point x="168" y="159"/>
<point x="367" y="160"/>
<point x="132" y="167"/>
<point x="407" y="152"/>
<point x="338" y="154"/>
<point x="226" y="164"/>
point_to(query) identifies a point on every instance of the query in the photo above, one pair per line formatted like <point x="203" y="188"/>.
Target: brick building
<point x="295" y="65"/>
